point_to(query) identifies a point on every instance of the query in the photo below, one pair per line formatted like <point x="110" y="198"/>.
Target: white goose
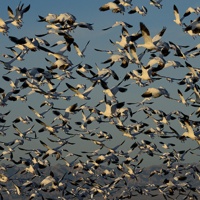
<point x="148" y="43"/>
<point x="190" y="132"/>
<point x="111" y="109"/>
<point x="155" y="92"/>
<point x="142" y="11"/>
<point x="111" y="92"/>
<point x="83" y="95"/>
<point x="156" y="3"/>
<point x="119" y="23"/>
<point x="3" y="27"/>
<point x="177" y="16"/>
<point x="194" y="27"/>
<point x="114" y="7"/>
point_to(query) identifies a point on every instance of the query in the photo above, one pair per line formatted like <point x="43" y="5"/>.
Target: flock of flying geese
<point x="106" y="171"/>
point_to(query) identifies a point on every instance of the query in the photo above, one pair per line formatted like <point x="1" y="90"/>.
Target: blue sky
<point x="88" y="11"/>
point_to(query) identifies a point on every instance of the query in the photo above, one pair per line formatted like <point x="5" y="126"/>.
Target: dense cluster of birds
<point x="68" y="118"/>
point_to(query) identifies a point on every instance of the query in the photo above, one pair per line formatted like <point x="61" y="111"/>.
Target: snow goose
<point x="182" y="99"/>
<point x="132" y="54"/>
<point x="3" y="27"/>
<point x="65" y="18"/>
<point x="40" y="115"/>
<point x="167" y="145"/>
<point x="197" y="95"/>
<point x="142" y="11"/>
<point x="190" y="132"/>
<point x="26" y="120"/>
<point x="194" y="72"/>
<point x="119" y="23"/>
<point x="51" y="129"/>
<point x="123" y="42"/>
<point x="188" y="12"/>
<point x="25" y="133"/>
<point x="111" y="92"/>
<point x="50" y="18"/>
<point x="177" y="16"/>
<point x="14" y="84"/>
<point x="117" y="58"/>
<point x="156" y="39"/>
<point x="84" y="68"/>
<point x="148" y="43"/>
<point x="7" y="96"/>
<point x="145" y="73"/>
<point x="156" y="3"/>
<point x="103" y="73"/>
<point x="114" y="7"/>
<point x="86" y="120"/>
<point x="51" y="151"/>
<point x="16" y="19"/>
<point x="193" y="49"/>
<point x="155" y="92"/>
<point x="83" y="95"/>
<point x="82" y="25"/>
<point x="19" y="57"/>
<point x="177" y="49"/>
<point x="111" y="109"/>
<point x="19" y="12"/>
<point x="156" y="60"/>
<point x="78" y="51"/>
<point x="7" y="64"/>
<point x="194" y="26"/>
<point x="125" y="3"/>
<point x="25" y="41"/>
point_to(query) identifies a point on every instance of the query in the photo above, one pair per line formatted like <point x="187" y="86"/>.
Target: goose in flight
<point x="26" y="120"/>
<point x="119" y="23"/>
<point x="142" y="11"/>
<point x="117" y="58"/>
<point x="111" y="109"/>
<point x="83" y="95"/>
<point x="178" y="51"/>
<point x="14" y="84"/>
<point x="78" y="51"/>
<point x="190" y="133"/>
<point x="51" y="151"/>
<point x="182" y="99"/>
<point x="156" y="3"/>
<point x="111" y="92"/>
<point x="25" y="133"/>
<point x="197" y="95"/>
<point x="123" y="42"/>
<point x="19" y="12"/>
<point x="132" y="54"/>
<point x="50" y="18"/>
<point x="189" y="11"/>
<point x="194" y="27"/>
<point x="114" y="7"/>
<point x="7" y="64"/>
<point x="177" y="19"/>
<point x="65" y="18"/>
<point x="7" y="96"/>
<point x="51" y="129"/>
<point x="32" y="44"/>
<point x="61" y="19"/>
<point x="155" y="92"/>
<point x="40" y="115"/>
<point x="20" y="57"/>
<point x="146" y="73"/>
<point x="167" y="145"/>
<point x="148" y="43"/>
<point x="3" y="27"/>
<point x="16" y="19"/>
